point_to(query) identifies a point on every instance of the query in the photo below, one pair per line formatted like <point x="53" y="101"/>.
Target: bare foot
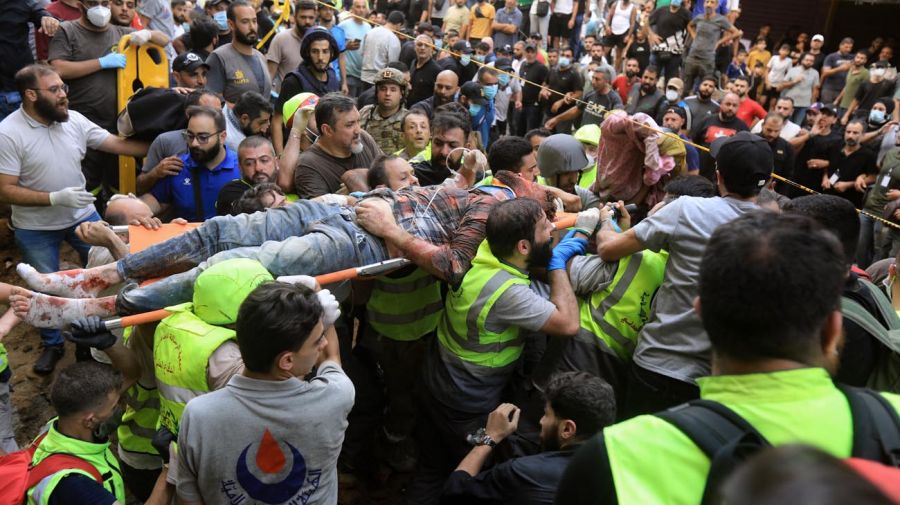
<point x="69" y="283"/>
<point x="45" y="311"/>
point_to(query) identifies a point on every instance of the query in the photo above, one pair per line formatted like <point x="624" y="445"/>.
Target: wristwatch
<point x="480" y="437"/>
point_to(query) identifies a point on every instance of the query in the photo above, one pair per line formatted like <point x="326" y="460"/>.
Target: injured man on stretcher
<point x="437" y="227"/>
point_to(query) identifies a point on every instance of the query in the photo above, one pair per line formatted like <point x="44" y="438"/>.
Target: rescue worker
<point x="384" y="119"/>
<point x="561" y="162"/>
<point x="589" y="136"/>
<point x="770" y="300"/>
<point x="479" y="336"/>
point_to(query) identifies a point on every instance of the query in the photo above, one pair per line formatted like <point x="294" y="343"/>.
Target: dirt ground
<point x="30" y="391"/>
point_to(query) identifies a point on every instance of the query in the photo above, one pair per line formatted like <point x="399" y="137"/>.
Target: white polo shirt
<point x="47" y="158"/>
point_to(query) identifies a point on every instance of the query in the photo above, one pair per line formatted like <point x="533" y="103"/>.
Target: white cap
<point x="819" y="37"/>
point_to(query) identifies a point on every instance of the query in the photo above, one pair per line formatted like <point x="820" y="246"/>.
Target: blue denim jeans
<point x="9" y="103"/>
<point x="40" y="249"/>
<point x="303" y="238"/>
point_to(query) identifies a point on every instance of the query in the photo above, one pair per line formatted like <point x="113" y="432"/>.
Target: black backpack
<point x="728" y="440"/>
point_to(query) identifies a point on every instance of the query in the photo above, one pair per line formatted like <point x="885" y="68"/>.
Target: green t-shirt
<point x="853" y="83"/>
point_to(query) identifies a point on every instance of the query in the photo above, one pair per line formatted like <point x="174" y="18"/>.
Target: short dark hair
<point x="305" y="5"/>
<point x="177" y="3"/>
<point x="28" y="77"/>
<point x="414" y="112"/>
<point x="691" y="185"/>
<point x="444" y="122"/>
<point x="251" y="201"/>
<point x="507" y="153"/>
<point x="835" y="214"/>
<point x="377" y="174"/>
<point x="651" y="69"/>
<point x="202" y="110"/>
<point x="586" y="399"/>
<point x="710" y="77"/>
<point x="486" y="70"/>
<point x="537" y="132"/>
<point x="233" y="6"/>
<point x="83" y="386"/>
<point x="741" y="78"/>
<point x="193" y="98"/>
<point x="276" y="317"/>
<point x="252" y="104"/>
<point x="484" y="46"/>
<point x="329" y="106"/>
<point x="789" y="99"/>
<point x="398" y="65"/>
<point x="511" y="221"/>
<point x="203" y="31"/>
<point x="768" y="282"/>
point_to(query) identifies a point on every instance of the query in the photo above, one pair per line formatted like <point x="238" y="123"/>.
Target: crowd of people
<point x="639" y="248"/>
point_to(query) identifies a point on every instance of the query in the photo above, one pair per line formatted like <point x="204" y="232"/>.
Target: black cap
<point x="474" y="92"/>
<point x="676" y="109"/>
<point x="188" y="62"/>
<point x="536" y="36"/>
<point x="530" y="47"/>
<point x="823" y="108"/>
<point x="462" y="47"/>
<point x="503" y="64"/>
<point x="211" y="3"/>
<point x="745" y="162"/>
<point x="505" y="49"/>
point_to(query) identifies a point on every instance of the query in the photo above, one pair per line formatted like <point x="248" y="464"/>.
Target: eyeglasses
<point x="201" y="138"/>
<point x="54" y="89"/>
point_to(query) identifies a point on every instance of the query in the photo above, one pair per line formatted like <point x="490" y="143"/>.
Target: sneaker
<point x="49" y="357"/>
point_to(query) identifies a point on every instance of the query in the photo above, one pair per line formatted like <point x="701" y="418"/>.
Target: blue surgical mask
<point x="479" y="58"/>
<point x="439" y="43"/>
<point x="876" y="116"/>
<point x="564" y="62"/>
<point x="490" y="91"/>
<point x="464" y="60"/>
<point x="186" y="27"/>
<point x="221" y="19"/>
<point x="475" y="109"/>
<point x="503" y="79"/>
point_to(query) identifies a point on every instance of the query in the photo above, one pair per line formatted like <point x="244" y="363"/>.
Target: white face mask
<point x="671" y="95"/>
<point x="99" y="16"/>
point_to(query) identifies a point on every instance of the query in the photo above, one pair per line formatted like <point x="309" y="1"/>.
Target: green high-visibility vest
<point x="182" y="346"/>
<point x="613" y="316"/>
<point x="98" y="455"/>
<point x="4" y="359"/>
<point x="588" y="176"/>
<point x="405" y="308"/>
<point x="140" y="418"/>
<point x="462" y="330"/>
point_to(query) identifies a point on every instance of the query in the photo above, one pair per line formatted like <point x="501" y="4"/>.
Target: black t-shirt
<point x="666" y="23"/>
<point x="711" y="128"/>
<point x="408" y="53"/>
<point x="818" y="147"/>
<point x="784" y="163"/>
<point x="79" y="489"/>
<point x="868" y="92"/>
<point x="564" y="81"/>
<point x="641" y="52"/>
<point x="429" y="175"/>
<point x="861" y="349"/>
<point x="591" y="115"/>
<point x="230" y="193"/>
<point x="537" y="73"/>
<point x="422" y="81"/>
<point x="588" y="478"/>
<point x="14" y="51"/>
<point x="848" y="168"/>
<point x="465" y="73"/>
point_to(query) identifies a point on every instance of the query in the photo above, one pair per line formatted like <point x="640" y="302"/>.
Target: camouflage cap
<point x="391" y="75"/>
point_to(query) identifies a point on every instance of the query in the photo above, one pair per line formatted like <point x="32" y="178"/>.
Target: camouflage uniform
<point x="387" y="132"/>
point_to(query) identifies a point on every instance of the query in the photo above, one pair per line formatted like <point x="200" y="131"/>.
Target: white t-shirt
<point x="778" y="69"/>
<point x="563" y="7"/>
<point x="788" y="131"/>
<point x="47" y="158"/>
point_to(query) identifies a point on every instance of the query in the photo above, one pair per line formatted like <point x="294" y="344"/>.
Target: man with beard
<point x="41" y="147"/>
<point x="709" y="32"/>
<point x="723" y="124"/>
<point x="251" y="115"/>
<point x="577" y="405"/>
<point x="284" y="51"/>
<point x="647" y="97"/>
<point x="189" y="71"/>
<point x="383" y="119"/>
<point x="258" y="163"/>
<point x="342" y="145"/>
<point x="791" y="130"/>
<point x="749" y="111"/>
<point x="479" y="339"/>
<point x="533" y="74"/>
<point x="315" y="75"/>
<point x="445" y="88"/>
<point x="782" y="151"/>
<point x="449" y="134"/>
<point x="564" y="79"/>
<point x="237" y="67"/>
<point x="624" y="82"/>
<point x="851" y="169"/>
<point x="81" y="53"/>
<point x="814" y="147"/>
<point x="205" y="169"/>
<point x="802" y="85"/>
<point x="702" y="104"/>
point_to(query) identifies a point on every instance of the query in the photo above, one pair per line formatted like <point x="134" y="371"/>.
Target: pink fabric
<point x="629" y="159"/>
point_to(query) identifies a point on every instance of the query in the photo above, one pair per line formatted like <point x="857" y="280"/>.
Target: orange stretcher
<point x="146" y="66"/>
